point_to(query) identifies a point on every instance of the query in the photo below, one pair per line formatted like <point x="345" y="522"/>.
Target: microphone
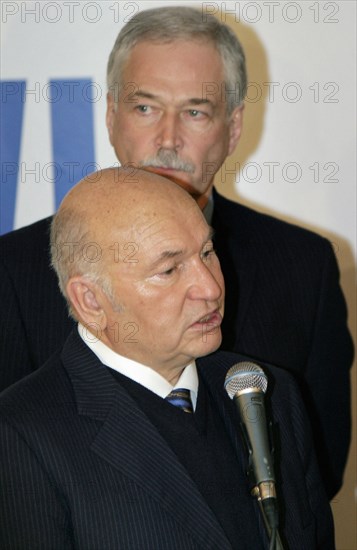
<point x="246" y="384"/>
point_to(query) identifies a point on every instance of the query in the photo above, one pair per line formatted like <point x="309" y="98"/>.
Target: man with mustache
<point x="284" y="304"/>
<point x="126" y="438"/>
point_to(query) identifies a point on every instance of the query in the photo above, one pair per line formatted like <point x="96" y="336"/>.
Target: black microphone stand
<point x="273" y="533"/>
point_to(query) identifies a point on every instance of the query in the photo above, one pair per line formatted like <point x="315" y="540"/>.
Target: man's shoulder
<point x="249" y="224"/>
<point x="37" y="392"/>
<point x="41" y="227"/>
<point x="24" y="241"/>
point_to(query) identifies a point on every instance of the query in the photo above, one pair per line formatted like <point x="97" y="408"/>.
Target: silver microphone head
<point x="243" y="376"/>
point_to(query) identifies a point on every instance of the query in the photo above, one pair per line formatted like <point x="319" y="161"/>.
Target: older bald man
<point x="126" y="438"/>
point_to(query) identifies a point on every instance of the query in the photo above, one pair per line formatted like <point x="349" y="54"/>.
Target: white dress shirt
<point x="146" y="376"/>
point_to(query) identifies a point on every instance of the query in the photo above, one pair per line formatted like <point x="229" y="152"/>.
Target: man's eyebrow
<point x="145" y="95"/>
<point x="199" y="101"/>
<point x="166" y="255"/>
<point x="190" y="101"/>
<point x="169" y="254"/>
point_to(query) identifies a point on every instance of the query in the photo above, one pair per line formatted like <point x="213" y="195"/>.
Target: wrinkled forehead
<point x="169" y="220"/>
<point x="149" y="209"/>
<point x="157" y="232"/>
<point x="197" y="53"/>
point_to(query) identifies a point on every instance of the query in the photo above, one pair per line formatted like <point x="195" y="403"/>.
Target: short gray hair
<point x="70" y="242"/>
<point x="165" y="25"/>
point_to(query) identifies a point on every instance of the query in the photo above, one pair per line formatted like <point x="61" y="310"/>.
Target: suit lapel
<point x="212" y="369"/>
<point x="124" y="439"/>
<point x="238" y="263"/>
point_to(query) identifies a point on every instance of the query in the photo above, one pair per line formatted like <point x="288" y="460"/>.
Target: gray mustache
<point x="167" y="158"/>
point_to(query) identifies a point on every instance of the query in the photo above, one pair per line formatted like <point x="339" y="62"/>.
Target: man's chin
<point x="210" y="342"/>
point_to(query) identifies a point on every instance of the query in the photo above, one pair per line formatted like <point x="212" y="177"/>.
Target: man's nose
<point x="169" y="132"/>
<point x="207" y="283"/>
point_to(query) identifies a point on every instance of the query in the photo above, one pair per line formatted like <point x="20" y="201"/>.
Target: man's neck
<point x="207" y="210"/>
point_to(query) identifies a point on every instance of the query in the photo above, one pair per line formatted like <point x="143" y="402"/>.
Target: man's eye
<point x="168" y="272"/>
<point x="194" y="113"/>
<point x="143" y="108"/>
<point x="207" y="253"/>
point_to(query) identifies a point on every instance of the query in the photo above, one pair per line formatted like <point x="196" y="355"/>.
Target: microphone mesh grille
<point x="245" y="375"/>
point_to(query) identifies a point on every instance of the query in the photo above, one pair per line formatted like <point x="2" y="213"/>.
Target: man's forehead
<point x="169" y="246"/>
<point x="197" y="54"/>
<point x="182" y="71"/>
<point x="204" y="43"/>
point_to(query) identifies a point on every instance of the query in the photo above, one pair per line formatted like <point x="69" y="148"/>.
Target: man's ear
<point x="86" y="299"/>
<point x="109" y="117"/>
<point x="235" y="128"/>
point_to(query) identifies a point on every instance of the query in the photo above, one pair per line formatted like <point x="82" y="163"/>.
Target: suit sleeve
<point x="15" y="360"/>
<point x="327" y="377"/>
<point x="314" y="497"/>
<point x="32" y="513"/>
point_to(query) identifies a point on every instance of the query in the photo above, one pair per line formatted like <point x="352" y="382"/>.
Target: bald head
<point x="115" y="205"/>
<point x="121" y="196"/>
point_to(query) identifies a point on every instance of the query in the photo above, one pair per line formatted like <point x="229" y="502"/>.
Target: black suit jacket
<point x="284" y="306"/>
<point x="82" y="467"/>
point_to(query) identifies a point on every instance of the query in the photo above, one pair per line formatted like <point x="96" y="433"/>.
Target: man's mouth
<point x="160" y="169"/>
<point x="212" y="319"/>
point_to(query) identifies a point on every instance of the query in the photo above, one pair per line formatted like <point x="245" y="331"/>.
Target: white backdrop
<point x="297" y="156"/>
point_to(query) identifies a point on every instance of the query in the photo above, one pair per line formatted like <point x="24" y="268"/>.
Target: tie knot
<point x="180" y="397"/>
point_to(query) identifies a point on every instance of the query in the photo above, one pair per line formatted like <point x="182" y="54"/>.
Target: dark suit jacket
<point x="82" y="467"/>
<point x="284" y="306"/>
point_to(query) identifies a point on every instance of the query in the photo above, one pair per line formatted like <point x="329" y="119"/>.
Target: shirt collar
<point x="146" y="376"/>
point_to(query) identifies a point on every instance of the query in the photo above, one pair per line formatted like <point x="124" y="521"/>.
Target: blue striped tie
<point x="180" y="397"/>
